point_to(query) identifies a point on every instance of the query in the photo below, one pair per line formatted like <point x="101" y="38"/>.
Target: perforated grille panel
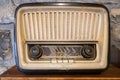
<point x="62" y="25"/>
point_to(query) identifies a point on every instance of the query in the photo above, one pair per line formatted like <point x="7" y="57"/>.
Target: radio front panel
<point x="54" y="35"/>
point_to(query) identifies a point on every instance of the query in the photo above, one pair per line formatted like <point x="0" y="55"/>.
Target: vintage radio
<point x="62" y="37"/>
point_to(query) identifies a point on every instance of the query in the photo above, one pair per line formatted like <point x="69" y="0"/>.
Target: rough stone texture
<point x="6" y="11"/>
<point x="115" y="27"/>
<point x="6" y="46"/>
<point x="115" y="36"/>
<point x="7" y="8"/>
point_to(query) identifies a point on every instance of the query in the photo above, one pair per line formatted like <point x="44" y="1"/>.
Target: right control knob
<point x="87" y="51"/>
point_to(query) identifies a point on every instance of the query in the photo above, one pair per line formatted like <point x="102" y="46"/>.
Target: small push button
<point x="59" y="61"/>
<point x="71" y="60"/>
<point x="54" y="61"/>
<point x="65" y="61"/>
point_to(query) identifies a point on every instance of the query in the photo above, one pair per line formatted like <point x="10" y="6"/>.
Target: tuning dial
<point x="35" y="52"/>
<point x="87" y="51"/>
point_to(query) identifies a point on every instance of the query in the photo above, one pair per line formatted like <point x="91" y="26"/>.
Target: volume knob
<point x="35" y="52"/>
<point x="87" y="51"/>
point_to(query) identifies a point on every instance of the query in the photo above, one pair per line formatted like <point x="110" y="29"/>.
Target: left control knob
<point x="35" y="52"/>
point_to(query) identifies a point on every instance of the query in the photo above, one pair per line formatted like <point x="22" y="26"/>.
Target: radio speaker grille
<point x="62" y="25"/>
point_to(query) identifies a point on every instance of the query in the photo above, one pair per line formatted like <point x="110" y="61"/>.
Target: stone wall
<point x="7" y="9"/>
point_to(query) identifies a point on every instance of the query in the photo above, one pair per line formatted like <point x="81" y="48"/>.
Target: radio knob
<point x="87" y="52"/>
<point x="35" y="52"/>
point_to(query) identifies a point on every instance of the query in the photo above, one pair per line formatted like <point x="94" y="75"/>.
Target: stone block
<point x="6" y="46"/>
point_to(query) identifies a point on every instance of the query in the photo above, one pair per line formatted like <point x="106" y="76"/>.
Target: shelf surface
<point x="111" y="73"/>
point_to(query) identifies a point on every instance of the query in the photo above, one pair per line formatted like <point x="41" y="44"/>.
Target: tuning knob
<point x="35" y="52"/>
<point x="87" y="51"/>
